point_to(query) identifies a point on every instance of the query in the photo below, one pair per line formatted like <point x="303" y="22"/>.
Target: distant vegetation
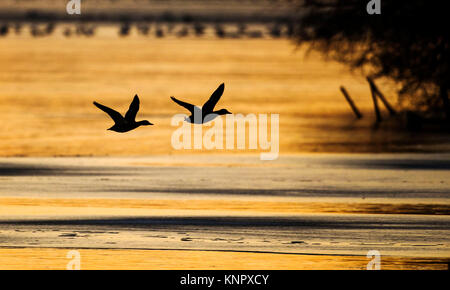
<point x="229" y="19"/>
<point x="408" y="43"/>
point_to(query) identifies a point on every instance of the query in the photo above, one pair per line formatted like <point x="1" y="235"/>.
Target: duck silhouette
<point x="205" y="113"/>
<point x="128" y="123"/>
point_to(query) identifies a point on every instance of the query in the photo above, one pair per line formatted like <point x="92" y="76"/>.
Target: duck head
<point x="144" y="123"/>
<point x="222" y="112"/>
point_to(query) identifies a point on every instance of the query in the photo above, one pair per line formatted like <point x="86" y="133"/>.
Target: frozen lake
<point x="325" y="204"/>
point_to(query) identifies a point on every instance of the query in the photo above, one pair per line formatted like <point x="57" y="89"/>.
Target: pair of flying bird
<point x="198" y="115"/>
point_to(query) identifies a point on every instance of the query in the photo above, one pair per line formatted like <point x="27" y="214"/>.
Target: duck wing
<point x="188" y="106"/>
<point x="116" y="116"/>
<point x="132" y="111"/>
<point x="215" y="97"/>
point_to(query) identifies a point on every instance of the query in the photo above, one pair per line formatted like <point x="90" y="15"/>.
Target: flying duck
<point x="205" y="113"/>
<point x="128" y="123"/>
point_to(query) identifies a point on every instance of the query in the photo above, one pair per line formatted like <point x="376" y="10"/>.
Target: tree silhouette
<point x="408" y="43"/>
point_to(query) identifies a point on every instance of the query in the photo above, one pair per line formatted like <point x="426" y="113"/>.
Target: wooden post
<point x="375" y="103"/>
<point x="381" y="96"/>
<point x="351" y="103"/>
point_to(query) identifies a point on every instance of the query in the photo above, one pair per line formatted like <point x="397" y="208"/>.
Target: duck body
<point x="206" y="113"/>
<point x="127" y="126"/>
<point x="205" y="116"/>
<point x="127" y="123"/>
